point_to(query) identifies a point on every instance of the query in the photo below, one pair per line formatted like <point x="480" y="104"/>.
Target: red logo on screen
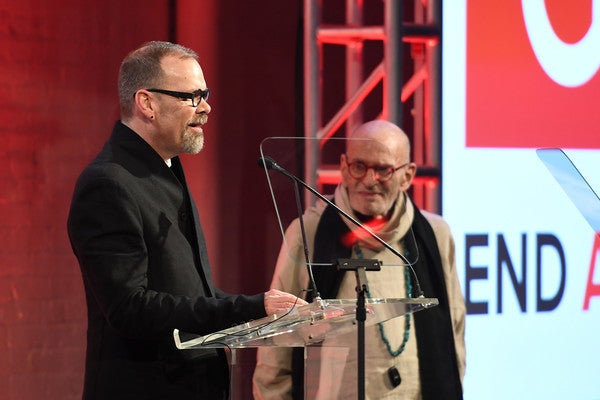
<point x="533" y="74"/>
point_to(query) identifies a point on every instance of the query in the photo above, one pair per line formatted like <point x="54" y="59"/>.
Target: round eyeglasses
<point x="196" y="96"/>
<point x="359" y="169"/>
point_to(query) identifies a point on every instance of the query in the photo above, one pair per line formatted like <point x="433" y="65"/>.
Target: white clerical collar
<point x="168" y="161"/>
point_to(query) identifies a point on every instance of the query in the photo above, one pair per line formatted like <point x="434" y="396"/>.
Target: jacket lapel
<point x="199" y="242"/>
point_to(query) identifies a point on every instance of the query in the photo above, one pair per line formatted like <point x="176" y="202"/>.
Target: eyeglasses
<point x="196" y="96"/>
<point x="359" y="169"/>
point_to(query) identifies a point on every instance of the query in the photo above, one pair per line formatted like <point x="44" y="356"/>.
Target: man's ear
<point x="344" y="169"/>
<point x="144" y="103"/>
<point x="409" y="174"/>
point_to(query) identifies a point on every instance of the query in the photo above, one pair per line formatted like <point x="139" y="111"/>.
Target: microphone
<point x="270" y="164"/>
<point x="267" y="162"/>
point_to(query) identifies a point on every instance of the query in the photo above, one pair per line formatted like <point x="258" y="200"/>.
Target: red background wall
<point x="58" y="101"/>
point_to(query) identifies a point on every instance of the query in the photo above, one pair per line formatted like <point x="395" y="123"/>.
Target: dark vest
<point x="438" y="365"/>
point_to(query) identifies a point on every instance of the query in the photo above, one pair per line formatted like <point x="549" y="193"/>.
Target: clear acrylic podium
<point x="304" y="326"/>
<point x="329" y="325"/>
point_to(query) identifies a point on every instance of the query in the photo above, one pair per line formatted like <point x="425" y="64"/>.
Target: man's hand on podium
<point x="278" y="302"/>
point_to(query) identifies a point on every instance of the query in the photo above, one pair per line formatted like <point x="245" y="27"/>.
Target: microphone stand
<point x="358" y="266"/>
<point x="362" y="287"/>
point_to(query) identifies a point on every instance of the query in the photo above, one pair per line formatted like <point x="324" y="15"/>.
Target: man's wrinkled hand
<point x="278" y="302"/>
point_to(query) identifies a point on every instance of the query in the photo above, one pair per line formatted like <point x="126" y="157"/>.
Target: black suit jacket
<point x="136" y="234"/>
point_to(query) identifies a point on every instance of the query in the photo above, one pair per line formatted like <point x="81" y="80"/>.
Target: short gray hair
<point x="141" y="69"/>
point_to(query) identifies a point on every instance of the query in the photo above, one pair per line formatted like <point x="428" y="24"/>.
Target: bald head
<point x="386" y="133"/>
<point x="376" y="168"/>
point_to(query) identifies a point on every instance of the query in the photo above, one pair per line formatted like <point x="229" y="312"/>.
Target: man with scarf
<point x="417" y="356"/>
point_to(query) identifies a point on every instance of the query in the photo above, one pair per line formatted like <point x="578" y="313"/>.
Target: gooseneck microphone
<point x="269" y="163"/>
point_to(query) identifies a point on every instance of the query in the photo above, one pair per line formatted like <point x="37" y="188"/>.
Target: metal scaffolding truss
<point x="418" y="82"/>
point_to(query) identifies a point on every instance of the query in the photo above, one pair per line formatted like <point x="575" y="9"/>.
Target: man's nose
<point x="203" y="107"/>
<point x="371" y="176"/>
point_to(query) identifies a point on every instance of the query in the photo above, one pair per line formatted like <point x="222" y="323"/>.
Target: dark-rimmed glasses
<point x="359" y="169"/>
<point x="196" y="96"/>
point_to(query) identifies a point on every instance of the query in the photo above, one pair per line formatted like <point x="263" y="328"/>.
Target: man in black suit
<point x="135" y="231"/>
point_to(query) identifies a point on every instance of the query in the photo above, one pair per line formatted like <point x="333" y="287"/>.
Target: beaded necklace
<point x="408" y="284"/>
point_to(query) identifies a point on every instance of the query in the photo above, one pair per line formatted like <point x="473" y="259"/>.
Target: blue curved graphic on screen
<point x="573" y="183"/>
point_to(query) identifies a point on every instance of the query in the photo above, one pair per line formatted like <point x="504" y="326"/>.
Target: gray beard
<point x="192" y="144"/>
